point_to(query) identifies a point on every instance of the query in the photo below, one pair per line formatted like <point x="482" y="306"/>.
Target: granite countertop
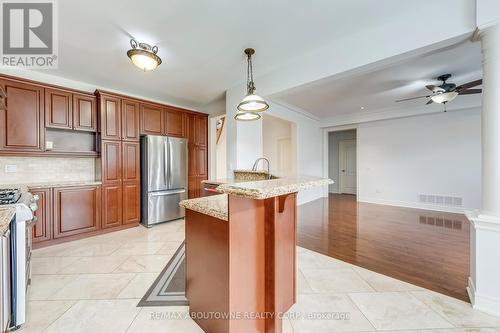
<point x="60" y="184"/>
<point x="6" y="215"/>
<point x="214" y="205"/>
<point x="263" y="189"/>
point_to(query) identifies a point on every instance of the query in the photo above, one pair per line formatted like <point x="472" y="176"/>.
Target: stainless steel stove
<point x="20" y="249"/>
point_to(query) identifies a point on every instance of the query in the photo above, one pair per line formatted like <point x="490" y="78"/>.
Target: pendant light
<point x="251" y="104"/>
<point x="143" y="55"/>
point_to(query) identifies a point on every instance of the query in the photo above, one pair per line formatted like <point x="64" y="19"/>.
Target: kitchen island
<point x="240" y="254"/>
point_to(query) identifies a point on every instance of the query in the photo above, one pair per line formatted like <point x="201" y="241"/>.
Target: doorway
<point x="278" y="137"/>
<point x="342" y="162"/>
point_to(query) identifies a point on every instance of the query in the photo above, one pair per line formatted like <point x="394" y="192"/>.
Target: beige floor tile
<point x="94" y="286"/>
<point x="459" y="313"/>
<point x="287" y="326"/>
<point x="138" y="248"/>
<point x="138" y="286"/>
<point x="169" y="247"/>
<point x="310" y="259"/>
<point x="96" y="316"/>
<point x="78" y="249"/>
<point x="303" y="286"/>
<point x="397" y="311"/>
<point x="40" y="314"/>
<point x="335" y="280"/>
<point x="50" y="265"/>
<point x="43" y="287"/>
<point x="343" y="316"/>
<point x="158" y="320"/>
<point x="144" y="264"/>
<point x="381" y="282"/>
<point x="88" y="265"/>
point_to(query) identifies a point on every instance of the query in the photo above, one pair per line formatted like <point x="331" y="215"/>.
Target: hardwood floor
<point x="426" y="248"/>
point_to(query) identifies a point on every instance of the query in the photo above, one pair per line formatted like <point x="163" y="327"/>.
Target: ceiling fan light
<point x="253" y="103"/>
<point x="144" y="56"/>
<point x="444" y="97"/>
<point x="247" y="116"/>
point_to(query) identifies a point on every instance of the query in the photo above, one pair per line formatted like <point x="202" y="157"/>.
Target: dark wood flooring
<point x="426" y="248"/>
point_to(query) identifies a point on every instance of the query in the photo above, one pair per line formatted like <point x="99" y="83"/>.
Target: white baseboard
<point x="417" y="205"/>
<point x="483" y="303"/>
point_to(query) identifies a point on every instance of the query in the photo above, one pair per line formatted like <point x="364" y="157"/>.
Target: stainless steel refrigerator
<point x="163" y="178"/>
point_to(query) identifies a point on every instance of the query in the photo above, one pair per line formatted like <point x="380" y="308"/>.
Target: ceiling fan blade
<point x="469" y="85"/>
<point x="431" y="87"/>
<point x="470" y="91"/>
<point x="411" y="98"/>
<point x="429" y="102"/>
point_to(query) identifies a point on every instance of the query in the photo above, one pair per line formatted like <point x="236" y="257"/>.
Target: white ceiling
<point x="202" y="42"/>
<point x="379" y="89"/>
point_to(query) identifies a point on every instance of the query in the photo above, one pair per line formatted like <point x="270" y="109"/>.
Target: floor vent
<point x="440" y="200"/>
<point x="440" y="222"/>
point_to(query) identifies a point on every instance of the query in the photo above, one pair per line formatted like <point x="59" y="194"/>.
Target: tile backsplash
<point x="19" y="170"/>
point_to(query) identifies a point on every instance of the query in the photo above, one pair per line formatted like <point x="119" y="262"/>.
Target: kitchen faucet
<point x="254" y="168"/>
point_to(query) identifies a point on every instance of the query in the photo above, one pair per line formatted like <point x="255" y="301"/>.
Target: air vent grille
<point x="440" y="200"/>
<point x="440" y="222"/>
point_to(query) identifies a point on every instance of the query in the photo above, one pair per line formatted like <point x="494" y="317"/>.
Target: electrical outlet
<point x="49" y="145"/>
<point x="10" y="168"/>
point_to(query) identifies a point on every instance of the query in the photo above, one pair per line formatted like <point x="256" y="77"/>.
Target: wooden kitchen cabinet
<point x="112" y="205"/>
<point x="175" y="120"/>
<point x="42" y="229"/>
<point x="131" y="202"/>
<point x="77" y="210"/>
<point x="201" y="130"/>
<point x="131" y="161"/>
<point x="84" y="113"/>
<point x="152" y="119"/>
<point x="111" y="159"/>
<point x="58" y="109"/>
<point x="22" y="122"/>
<point x="130" y="120"/>
<point x="110" y="109"/>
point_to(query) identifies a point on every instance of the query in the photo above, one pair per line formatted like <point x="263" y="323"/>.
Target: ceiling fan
<point x="447" y="92"/>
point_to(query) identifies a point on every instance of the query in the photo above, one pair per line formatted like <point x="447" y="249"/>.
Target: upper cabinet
<point x="22" y="121"/>
<point x="130" y="120"/>
<point x="84" y="113"/>
<point x="110" y="108"/>
<point x="58" y="109"/>
<point x="197" y="129"/>
<point x="152" y="119"/>
<point x="175" y="120"/>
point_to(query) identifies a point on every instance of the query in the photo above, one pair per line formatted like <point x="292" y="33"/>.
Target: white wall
<point x="438" y="154"/>
<point x="333" y="156"/>
<point x="274" y="130"/>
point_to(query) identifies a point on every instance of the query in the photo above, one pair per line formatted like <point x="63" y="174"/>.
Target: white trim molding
<point x="483" y="221"/>
<point x="483" y="303"/>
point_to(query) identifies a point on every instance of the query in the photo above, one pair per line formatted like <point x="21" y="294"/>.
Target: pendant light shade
<point x="247" y="116"/>
<point x="143" y="55"/>
<point x="251" y="103"/>
<point x="444" y="97"/>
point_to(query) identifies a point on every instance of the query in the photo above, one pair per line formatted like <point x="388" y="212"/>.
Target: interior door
<point x="347" y="166"/>
<point x="177" y="163"/>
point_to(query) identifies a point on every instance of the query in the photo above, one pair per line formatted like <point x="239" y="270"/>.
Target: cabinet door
<point x="174" y="122"/>
<point x="131" y="161"/>
<point x="190" y="128"/>
<point x="84" y="113"/>
<point x="131" y="202"/>
<point x="202" y="161"/>
<point x="111" y="206"/>
<point x="110" y="110"/>
<point x="42" y="229"/>
<point x="192" y="160"/>
<point x="76" y="210"/>
<point x="152" y="120"/>
<point x="58" y="109"/>
<point x="193" y="188"/>
<point x="111" y="168"/>
<point x="22" y="121"/>
<point x="130" y="120"/>
<point x="201" y="130"/>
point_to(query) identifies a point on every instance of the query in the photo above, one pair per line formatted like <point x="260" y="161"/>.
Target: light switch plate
<point x="10" y="168"/>
<point x="49" y="145"/>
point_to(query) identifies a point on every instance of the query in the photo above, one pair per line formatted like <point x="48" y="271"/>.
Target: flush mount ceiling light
<point x="143" y="55"/>
<point x="251" y="104"/>
<point x="444" y="97"/>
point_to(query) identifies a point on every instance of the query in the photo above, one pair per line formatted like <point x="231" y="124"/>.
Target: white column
<point x="484" y="284"/>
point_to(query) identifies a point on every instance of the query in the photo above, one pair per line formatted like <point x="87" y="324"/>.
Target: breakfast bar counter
<point x="240" y="254"/>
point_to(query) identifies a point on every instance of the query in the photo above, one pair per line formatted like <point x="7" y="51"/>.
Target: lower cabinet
<point x="131" y="202"/>
<point x="42" y="229"/>
<point x="112" y="206"/>
<point x="76" y="210"/>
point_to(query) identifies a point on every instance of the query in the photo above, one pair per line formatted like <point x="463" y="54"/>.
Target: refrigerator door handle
<point x="167" y="163"/>
<point x="170" y="163"/>
<point x="163" y="193"/>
